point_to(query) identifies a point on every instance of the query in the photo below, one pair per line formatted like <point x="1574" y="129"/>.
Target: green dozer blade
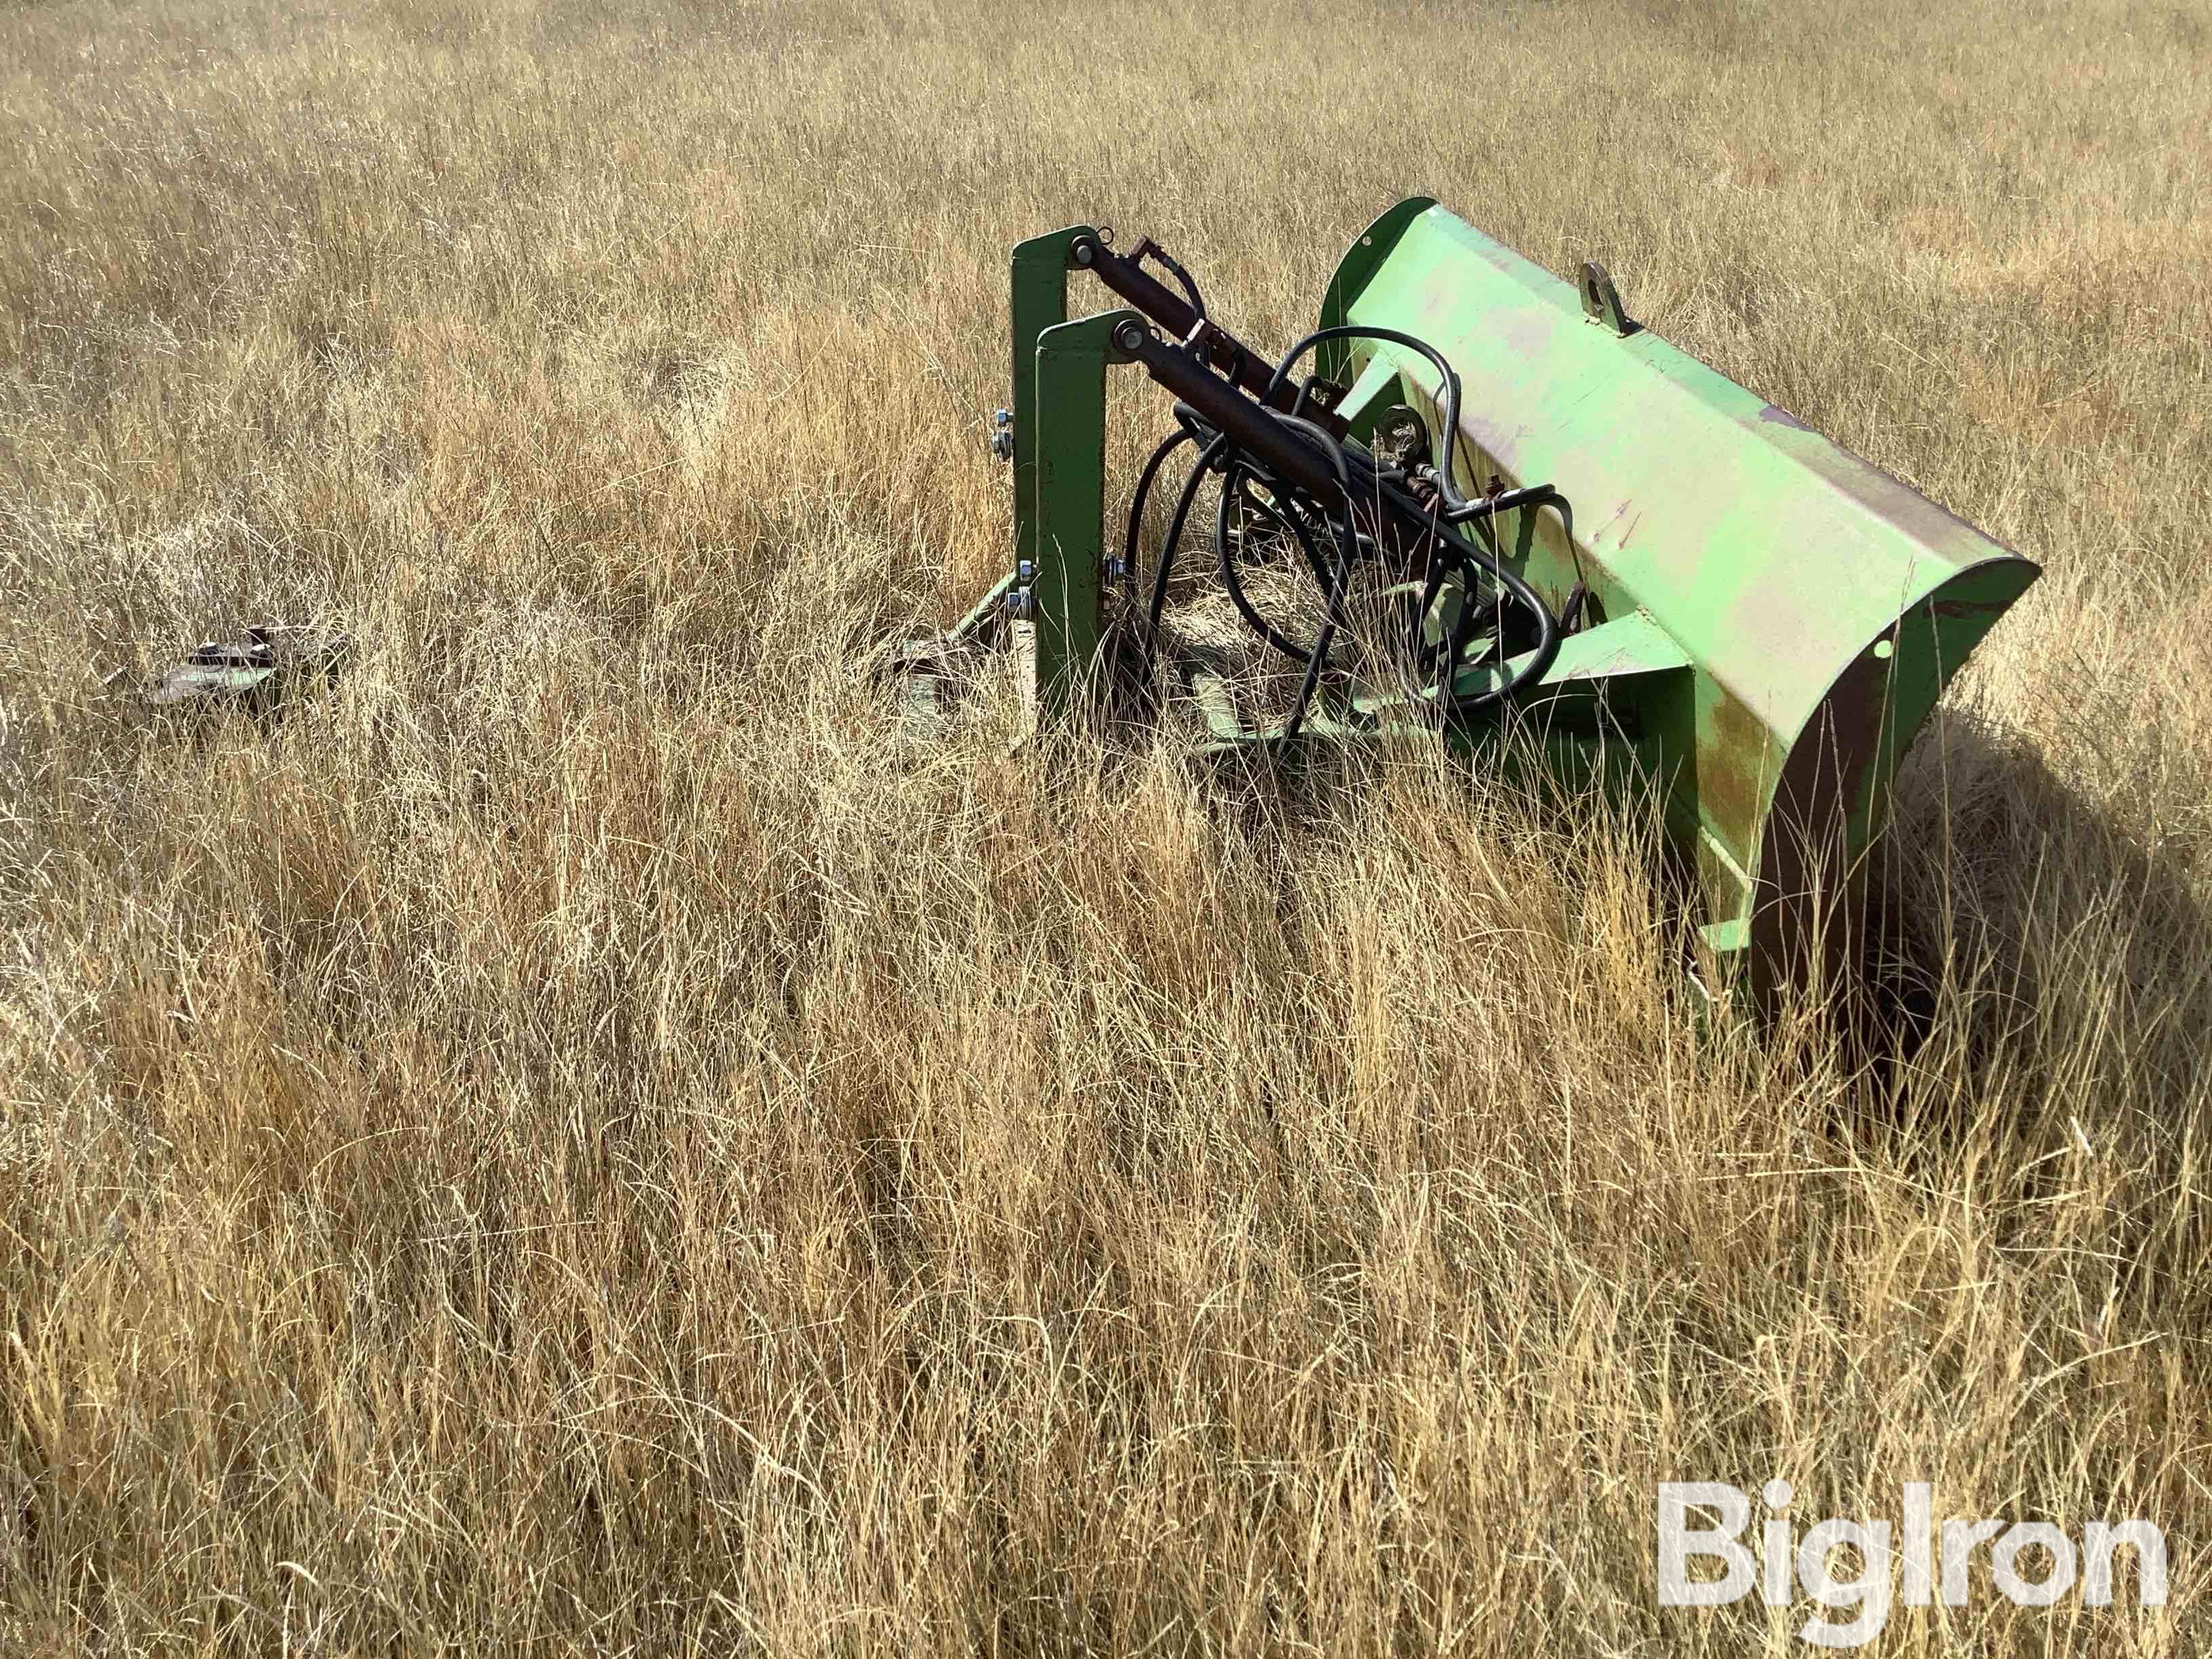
<point x="1787" y="613"/>
<point x="1692" y="589"/>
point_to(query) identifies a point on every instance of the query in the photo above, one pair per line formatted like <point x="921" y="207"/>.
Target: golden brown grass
<point x="570" y="1140"/>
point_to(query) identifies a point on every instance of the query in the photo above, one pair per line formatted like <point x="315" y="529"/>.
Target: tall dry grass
<point x="575" y="1139"/>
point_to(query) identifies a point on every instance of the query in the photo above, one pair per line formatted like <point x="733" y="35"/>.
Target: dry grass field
<point x="573" y="1139"/>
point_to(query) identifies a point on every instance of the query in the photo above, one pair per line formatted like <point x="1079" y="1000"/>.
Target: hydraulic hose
<point x="1448" y="380"/>
<point x="1206" y="462"/>
<point x="1317" y="456"/>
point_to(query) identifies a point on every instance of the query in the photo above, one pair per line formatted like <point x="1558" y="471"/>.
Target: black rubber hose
<point x="1152" y="464"/>
<point x="1226" y="553"/>
<point x="1206" y="462"/>
<point x="1443" y="560"/>
<point x="1449" y="380"/>
<point x="1547" y="648"/>
<point x="1301" y="529"/>
<point x="1347" y="550"/>
<point x="1534" y="499"/>
<point x="1490" y="506"/>
<point x="1470" y="559"/>
<point x="1463" y="628"/>
<point x="1547" y="626"/>
<point x="1441" y="516"/>
<point x="1183" y="277"/>
<point x="1547" y="630"/>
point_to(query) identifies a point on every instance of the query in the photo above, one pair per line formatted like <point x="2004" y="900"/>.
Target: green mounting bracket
<point x="1059" y="468"/>
<point x="1039" y="301"/>
<point x="1069" y="522"/>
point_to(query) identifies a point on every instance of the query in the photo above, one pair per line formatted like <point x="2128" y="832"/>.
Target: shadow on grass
<point x="2028" y="927"/>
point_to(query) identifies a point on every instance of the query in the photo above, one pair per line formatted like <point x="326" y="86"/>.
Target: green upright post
<point x="1039" y="301"/>
<point x="1069" y="515"/>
